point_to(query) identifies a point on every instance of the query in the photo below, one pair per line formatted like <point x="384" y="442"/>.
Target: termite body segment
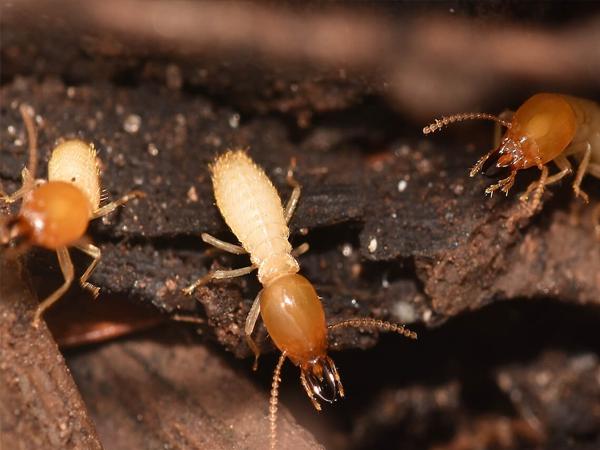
<point x="55" y="212"/>
<point x="547" y="127"/>
<point x="289" y="305"/>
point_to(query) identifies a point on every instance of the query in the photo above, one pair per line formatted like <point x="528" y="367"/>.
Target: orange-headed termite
<point x="55" y="213"/>
<point x="289" y="305"/>
<point x="547" y="127"/>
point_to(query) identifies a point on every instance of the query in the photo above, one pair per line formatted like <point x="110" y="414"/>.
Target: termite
<point x="55" y="212"/>
<point x="547" y="127"/>
<point x="288" y="303"/>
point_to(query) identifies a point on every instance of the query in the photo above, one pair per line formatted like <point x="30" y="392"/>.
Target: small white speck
<point x="152" y="149"/>
<point x="372" y="245"/>
<point x="234" y="121"/>
<point x="132" y="123"/>
<point x="355" y="304"/>
<point x="139" y="417"/>
<point x="427" y="315"/>
<point x="11" y="130"/>
<point x="347" y="250"/>
<point x="394" y="215"/>
<point x="402" y="185"/>
<point x="192" y="195"/>
<point x="405" y="312"/>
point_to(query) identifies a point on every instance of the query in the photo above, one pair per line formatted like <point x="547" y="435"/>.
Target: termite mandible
<point x="55" y="212"/>
<point x="547" y="127"/>
<point x="288" y="303"/>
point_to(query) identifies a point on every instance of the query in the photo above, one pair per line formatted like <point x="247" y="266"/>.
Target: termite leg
<point x="309" y="392"/>
<point x="222" y="245"/>
<point x="273" y="401"/>
<point x="66" y="266"/>
<point x="293" y="201"/>
<point x="565" y="168"/>
<point x="479" y="164"/>
<point x="538" y="189"/>
<point x="583" y="165"/>
<point x="249" y="328"/>
<point x="107" y="209"/>
<point x="95" y="253"/>
<point x="300" y="250"/>
<point x="504" y="185"/>
<point x="219" y="275"/>
<point x="22" y="191"/>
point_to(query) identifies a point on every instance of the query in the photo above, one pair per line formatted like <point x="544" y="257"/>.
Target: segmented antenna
<point x="27" y="113"/>
<point x="274" y="394"/>
<point x="375" y="323"/>
<point x="439" y="123"/>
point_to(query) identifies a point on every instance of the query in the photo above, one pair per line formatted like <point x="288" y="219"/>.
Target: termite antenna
<point x="439" y="123"/>
<point x="374" y="323"/>
<point x="27" y="114"/>
<point x="273" y="401"/>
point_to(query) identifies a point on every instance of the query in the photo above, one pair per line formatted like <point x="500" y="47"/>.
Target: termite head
<point x="295" y="320"/>
<point x="536" y="134"/>
<point x="54" y="215"/>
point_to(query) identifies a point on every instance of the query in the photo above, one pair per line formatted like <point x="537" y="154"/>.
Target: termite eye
<point x="321" y="379"/>
<point x="491" y="168"/>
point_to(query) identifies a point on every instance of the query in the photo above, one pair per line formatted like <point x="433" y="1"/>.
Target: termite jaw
<point x="14" y="236"/>
<point x="497" y="165"/>
<point x="323" y="379"/>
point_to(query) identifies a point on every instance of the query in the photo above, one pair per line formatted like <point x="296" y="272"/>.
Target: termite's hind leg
<point x="538" y="189"/>
<point x="66" y="266"/>
<point x="300" y="250"/>
<point x="219" y="275"/>
<point x="293" y="201"/>
<point x="249" y="328"/>
<point x="95" y="253"/>
<point x="107" y="209"/>
<point x="222" y="245"/>
<point x="583" y="166"/>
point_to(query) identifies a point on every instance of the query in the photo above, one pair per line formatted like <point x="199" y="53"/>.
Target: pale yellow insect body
<point x="288" y="303"/>
<point x="55" y="213"/>
<point x="75" y="162"/>
<point x="252" y="208"/>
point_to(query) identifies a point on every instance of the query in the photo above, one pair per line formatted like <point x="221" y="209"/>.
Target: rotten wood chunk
<point x="170" y="393"/>
<point x="40" y="404"/>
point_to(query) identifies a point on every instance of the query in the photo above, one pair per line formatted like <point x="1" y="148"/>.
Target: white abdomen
<point x="75" y="162"/>
<point x="252" y="208"/>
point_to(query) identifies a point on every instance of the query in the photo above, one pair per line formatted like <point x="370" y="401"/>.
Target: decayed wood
<point x="169" y="392"/>
<point x="40" y="405"/>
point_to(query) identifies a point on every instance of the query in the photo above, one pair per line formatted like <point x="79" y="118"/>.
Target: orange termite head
<point x="294" y="317"/>
<point x="537" y="133"/>
<point x="54" y="215"/>
<point x="295" y="320"/>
